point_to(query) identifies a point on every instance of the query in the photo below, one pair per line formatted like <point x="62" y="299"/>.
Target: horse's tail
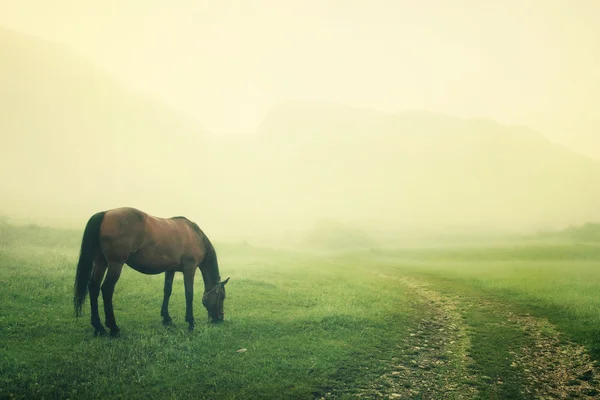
<point x="90" y="246"/>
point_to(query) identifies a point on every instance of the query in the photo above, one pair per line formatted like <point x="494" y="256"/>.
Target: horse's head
<point x="213" y="301"/>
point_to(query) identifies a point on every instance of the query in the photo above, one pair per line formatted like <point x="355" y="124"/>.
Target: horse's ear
<point x="224" y="282"/>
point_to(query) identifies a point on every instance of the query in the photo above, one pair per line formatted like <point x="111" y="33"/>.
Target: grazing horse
<point x="150" y="245"/>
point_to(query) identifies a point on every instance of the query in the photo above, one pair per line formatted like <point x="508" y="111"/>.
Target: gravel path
<point x="434" y="357"/>
<point x="433" y="361"/>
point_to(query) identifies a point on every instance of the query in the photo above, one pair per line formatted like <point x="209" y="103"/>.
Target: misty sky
<point x="225" y="63"/>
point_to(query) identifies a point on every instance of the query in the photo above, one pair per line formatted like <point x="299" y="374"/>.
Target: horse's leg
<point x="108" y="289"/>
<point x="164" y="311"/>
<point x="188" y="281"/>
<point x="98" y="272"/>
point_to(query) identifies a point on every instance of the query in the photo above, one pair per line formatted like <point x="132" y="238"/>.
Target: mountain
<point x="75" y="139"/>
<point x="423" y="169"/>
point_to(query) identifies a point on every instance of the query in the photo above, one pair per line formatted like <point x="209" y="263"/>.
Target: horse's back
<point x="122" y="232"/>
<point x="133" y="236"/>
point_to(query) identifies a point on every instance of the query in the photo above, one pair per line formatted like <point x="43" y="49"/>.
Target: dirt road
<point x="434" y="361"/>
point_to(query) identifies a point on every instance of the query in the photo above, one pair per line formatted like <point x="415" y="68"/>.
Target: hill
<point x="75" y="139"/>
<point x="422" y="169"/>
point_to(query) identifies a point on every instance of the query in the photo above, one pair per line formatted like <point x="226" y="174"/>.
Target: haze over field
<point x="145" y="104"/>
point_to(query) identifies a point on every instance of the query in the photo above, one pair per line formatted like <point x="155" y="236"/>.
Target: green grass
<point x="307" y="326"/>
<point x="310" y="324"/>
<point x="557" y="280"/>
<point x="492" y="340"/>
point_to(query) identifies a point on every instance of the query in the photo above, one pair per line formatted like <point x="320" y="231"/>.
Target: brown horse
<point x="149" y="245"/>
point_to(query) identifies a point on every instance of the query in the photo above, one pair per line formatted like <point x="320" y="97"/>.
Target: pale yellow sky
<point x="534" y="62"/>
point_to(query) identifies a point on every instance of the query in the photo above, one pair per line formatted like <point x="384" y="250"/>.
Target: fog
<point x="259" y="119"/>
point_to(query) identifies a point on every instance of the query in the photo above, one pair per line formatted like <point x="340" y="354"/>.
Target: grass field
<point x="409" y="323"/>
<point x="560" y="281"/>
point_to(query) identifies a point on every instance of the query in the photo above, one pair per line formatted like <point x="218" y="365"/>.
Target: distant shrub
<point x="589" y="232"/>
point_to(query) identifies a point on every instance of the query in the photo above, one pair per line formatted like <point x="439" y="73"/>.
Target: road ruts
<point x="431" y="362"/>
<point x="434" y="357"/>
<point x="552" y="368"/>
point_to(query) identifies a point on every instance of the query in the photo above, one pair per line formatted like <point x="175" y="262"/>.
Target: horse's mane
<point x="211" y="258"/>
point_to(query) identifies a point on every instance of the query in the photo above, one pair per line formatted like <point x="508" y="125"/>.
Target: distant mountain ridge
<point x="75" y="141"/>
<point x="435" y="167"/>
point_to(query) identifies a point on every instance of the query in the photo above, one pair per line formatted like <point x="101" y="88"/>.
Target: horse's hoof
<point x="167" y="322"/>
<point x="99" y="332"/>
<point x="115" y="333"/>
<point x="191" y="323"/>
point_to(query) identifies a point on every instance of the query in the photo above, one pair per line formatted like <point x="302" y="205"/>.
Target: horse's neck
<point x="211" y="278"/>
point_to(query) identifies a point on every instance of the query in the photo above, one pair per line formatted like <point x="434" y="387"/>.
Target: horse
<point x="150" y="245"/>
